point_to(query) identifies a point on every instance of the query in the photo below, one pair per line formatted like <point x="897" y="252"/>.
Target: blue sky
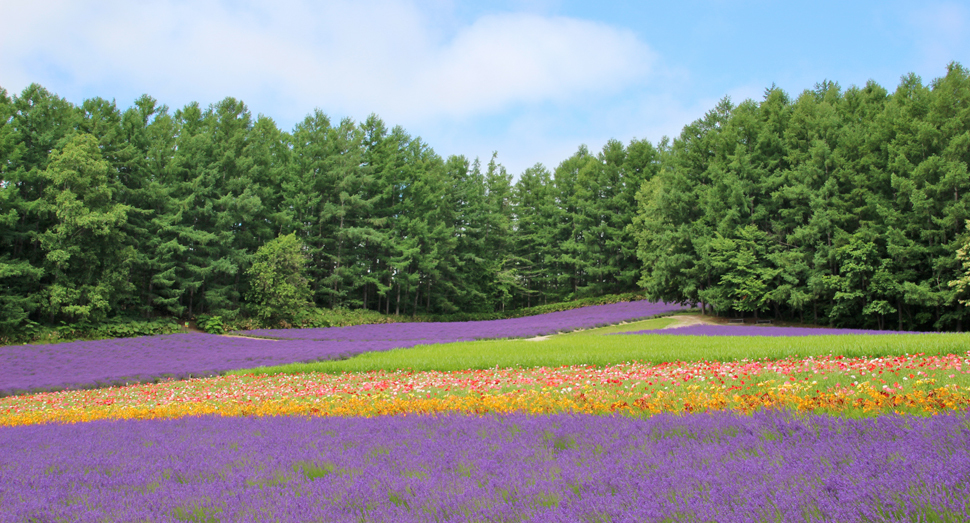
<point x="531" y="80"/>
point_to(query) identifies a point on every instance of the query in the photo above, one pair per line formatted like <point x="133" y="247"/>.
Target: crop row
<point x="916" y="383"/>
<point x="709" y="467"/>
<point x="105" y="362"/>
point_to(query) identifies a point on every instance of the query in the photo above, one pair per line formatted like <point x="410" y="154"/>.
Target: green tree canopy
<point x="279" y="288"/>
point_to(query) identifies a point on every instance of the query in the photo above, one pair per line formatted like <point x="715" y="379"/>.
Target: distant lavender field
<point x="722" y="467"/>
<point x="551" y="323"/>
<point x="81" y="364"/>
<point x="750" y="330"/>
<point x="104" y="362"/>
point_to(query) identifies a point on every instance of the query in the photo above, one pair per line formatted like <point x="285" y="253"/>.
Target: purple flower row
<point x="83" y="364"/>
<point x="436" y="332"/>
<point x="104" y="362"/>
<point x="705" y="467"/>
<point x="750" y="330"/>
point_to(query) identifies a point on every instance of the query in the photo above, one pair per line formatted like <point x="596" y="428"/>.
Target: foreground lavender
<point x="751" y="330"/>
<point x="550" y="323"/>
<point x="93" y="363"/>
<point x="704" y="467"/>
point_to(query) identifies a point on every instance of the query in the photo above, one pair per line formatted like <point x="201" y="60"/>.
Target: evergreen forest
<point x="842" y="207"/>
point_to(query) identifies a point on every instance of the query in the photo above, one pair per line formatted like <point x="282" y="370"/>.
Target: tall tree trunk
<point x="148" y="313"/>
<point x="387" y="298"/>
<point x="417" y="292"/>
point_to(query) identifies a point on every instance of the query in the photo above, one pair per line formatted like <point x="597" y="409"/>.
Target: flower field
<point x="119" y="361"/>
<point x="914" y="384"/>
<point x="550" y="323"/>
<point x="721" y="467"/>
<point x="507" y="430"/>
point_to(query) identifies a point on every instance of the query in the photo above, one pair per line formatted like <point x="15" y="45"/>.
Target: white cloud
<point x="516" y="58"/>
<point x="385" y="56"/>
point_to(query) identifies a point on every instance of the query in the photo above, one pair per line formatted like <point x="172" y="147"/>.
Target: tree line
<point x="147" y="212"/>
<point x="843" y="207"/>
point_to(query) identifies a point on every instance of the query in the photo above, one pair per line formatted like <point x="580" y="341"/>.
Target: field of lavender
<point x="722" y="467"/>
<point x="550" y="323"/>
<point x="81" y="364"/>
<point x="697" y="423"/>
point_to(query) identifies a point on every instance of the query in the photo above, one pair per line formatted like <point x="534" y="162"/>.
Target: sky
<point x="529" y="79"/>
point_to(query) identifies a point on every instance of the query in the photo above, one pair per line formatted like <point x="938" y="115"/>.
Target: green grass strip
<point x="589" y="347"/>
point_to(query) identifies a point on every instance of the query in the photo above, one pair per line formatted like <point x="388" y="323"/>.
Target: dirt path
<point x="192" y="327"/>
<point x="686" y="320"/>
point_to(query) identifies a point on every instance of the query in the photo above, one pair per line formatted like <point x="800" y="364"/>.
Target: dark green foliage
<point x="843" y="207"/>
<point x="118" y="327"/>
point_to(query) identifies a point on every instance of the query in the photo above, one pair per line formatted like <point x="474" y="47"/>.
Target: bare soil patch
<point x="686" y="320"/>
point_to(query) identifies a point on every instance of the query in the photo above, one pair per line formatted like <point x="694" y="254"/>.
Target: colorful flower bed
<point x="709" y="467"/>
<point x="919" y="384"/>
<point x="103" y="362"/>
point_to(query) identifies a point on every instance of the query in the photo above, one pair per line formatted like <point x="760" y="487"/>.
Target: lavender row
<point x="84" y="364"/>
<point x="96" y="363"/>
<point x="704" y="467"/>
<point x="742" y="330"/>
<point x="550" y="323"/>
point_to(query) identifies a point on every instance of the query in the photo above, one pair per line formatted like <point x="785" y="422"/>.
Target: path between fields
<point x="192" y="327"/>
<point x="686" y="320"/>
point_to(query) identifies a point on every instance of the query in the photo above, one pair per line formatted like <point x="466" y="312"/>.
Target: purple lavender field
<point x="751" y="330"/>
<point x="82" y="364"/>
<point x="721" y="467"/>
<point x="550" y="323"/>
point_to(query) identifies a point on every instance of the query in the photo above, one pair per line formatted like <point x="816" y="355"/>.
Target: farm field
<point x="594" y="425"/>
<point x="82" y="364"/>
<point x="721" y="467"/>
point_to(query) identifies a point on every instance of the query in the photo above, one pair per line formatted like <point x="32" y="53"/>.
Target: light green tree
<point x="86" y="253"/>
<point x="963" y="282"/>
<point x="279" y="286"/>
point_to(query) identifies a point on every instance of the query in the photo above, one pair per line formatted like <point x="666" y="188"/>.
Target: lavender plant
<point x="550" y="323"/>
<point x="710" y="467"/>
